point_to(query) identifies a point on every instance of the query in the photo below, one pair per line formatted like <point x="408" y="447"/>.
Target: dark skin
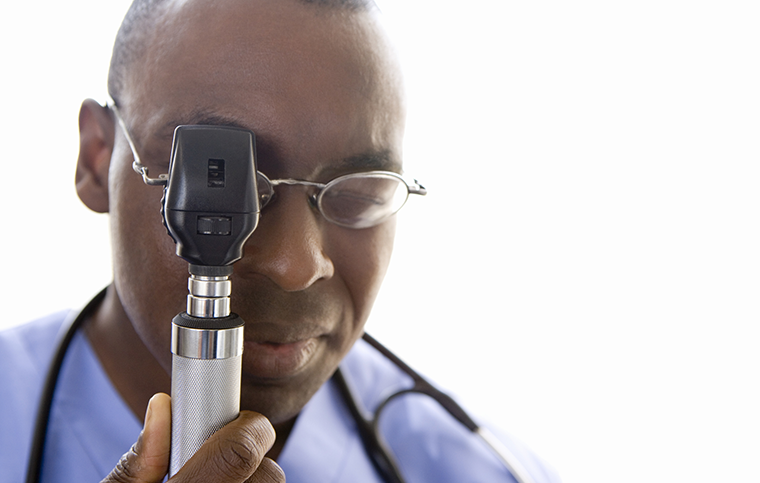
<point x="321" y="92"/>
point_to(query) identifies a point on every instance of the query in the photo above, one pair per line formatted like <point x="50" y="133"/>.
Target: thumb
<point x="148" y="459"/>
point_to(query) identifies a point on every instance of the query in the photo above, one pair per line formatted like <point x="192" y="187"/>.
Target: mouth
<point x="268" y="361"/>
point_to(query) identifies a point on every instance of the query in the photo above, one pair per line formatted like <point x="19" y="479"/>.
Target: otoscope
<point x="210" y="208"/>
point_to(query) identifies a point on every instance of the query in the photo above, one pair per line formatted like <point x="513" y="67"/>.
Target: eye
<point x="356" y="198"/>
<point x="362" y="201"/>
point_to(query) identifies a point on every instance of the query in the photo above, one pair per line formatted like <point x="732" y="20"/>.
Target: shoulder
<point x="25" y="353"/>
<point x="428" y="442"/>
<point x="27" y="348"/>
<point x="373" y="375"/>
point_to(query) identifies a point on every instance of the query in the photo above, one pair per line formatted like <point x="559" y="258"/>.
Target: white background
<point x="584" y="272"/>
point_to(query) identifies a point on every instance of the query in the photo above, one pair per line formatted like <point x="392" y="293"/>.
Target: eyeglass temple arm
<point x="137" y="166"/>
<point x="294" y="182"/>
<point x="414" y="187"/>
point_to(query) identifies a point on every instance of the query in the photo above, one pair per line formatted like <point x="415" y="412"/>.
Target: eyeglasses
<point x="356" y="200"/>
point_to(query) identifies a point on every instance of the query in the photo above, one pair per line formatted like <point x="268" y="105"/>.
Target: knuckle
<point x="236" y="460"/>
<point x="122" y="473"/>
<point x="268" y="472"/>
<point x="240" y="454"/>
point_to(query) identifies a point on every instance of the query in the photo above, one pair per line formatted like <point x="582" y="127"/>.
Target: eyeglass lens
<point x="354" y="201"/>
<point x="362" y="201"/>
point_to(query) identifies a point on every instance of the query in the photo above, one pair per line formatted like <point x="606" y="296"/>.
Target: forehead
<point x="309" y="81"/>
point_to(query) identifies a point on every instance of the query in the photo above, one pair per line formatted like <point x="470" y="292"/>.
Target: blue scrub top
<point x="91" y="426"/>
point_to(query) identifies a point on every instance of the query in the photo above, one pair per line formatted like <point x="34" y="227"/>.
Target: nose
<point x="288" y="245"/>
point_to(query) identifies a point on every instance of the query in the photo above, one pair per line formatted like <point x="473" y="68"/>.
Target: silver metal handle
<point x="206" y="375"/>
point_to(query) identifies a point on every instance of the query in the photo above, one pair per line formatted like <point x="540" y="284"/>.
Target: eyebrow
<point x="200" y="117"/>
<point x="371" y="160"/>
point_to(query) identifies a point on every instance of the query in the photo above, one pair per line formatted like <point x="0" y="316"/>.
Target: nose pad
<point x="288" y="246"/>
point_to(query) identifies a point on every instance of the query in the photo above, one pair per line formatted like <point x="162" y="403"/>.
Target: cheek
<point x="150" y="279"/>
<point x="362" y="258"/>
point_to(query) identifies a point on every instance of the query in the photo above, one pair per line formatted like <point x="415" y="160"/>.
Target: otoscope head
<point x="211" y="203"/>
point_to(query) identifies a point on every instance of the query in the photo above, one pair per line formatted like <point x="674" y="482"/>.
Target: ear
<point x="96" y="134"/>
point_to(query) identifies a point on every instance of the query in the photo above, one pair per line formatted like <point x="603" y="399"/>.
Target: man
<point x="317" y="83"/>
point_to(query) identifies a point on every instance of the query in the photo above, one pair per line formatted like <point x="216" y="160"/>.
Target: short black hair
<point x="130" y="40"/>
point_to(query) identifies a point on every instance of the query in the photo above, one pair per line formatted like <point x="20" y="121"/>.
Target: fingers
<point x="148" y="460"/>
<point x="267" y="472"/>
<point x="235" y="453"/>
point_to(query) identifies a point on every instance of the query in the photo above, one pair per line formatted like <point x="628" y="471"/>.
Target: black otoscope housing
<point x="211" y="203"/>
<point x="210" y="208"/>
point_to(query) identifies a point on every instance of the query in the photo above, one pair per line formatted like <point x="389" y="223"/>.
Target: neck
<point x="130" y="366"/>
<point x="283" y="431"/>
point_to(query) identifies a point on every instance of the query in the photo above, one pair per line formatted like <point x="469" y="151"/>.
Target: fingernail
<point x="148" y="412"/>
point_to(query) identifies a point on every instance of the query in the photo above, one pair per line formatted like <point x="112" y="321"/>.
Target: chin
<point x="279" y="402"/>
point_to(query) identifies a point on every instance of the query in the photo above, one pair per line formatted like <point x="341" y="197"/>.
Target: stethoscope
<point x="368" y="425"/>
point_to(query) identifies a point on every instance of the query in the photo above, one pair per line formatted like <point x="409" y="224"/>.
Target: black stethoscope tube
<point x="368" y="426"/>
<point x="376" y="448"/>
<point x="66" y="333"/>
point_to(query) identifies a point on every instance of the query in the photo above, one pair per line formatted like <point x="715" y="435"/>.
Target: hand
<point x="235" y="453"/>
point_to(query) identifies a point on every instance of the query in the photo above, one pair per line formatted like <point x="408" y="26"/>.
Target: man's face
<point x="318" y="90"/>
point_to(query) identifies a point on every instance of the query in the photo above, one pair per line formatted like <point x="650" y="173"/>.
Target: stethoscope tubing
<point x="65" y="335"/>
<point x="377" y="449"/>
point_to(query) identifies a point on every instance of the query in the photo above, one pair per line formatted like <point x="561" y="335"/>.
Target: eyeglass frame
<point x="413" y="187"/>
